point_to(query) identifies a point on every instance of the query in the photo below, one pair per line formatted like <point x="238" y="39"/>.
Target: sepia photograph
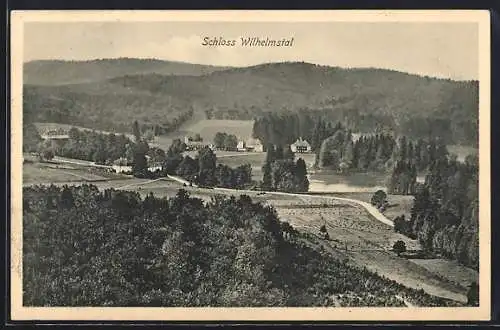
<point x="225" y="165"/>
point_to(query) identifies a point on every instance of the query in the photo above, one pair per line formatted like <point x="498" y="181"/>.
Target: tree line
<point x="82" y="109"/>
<point x="315" y="125"/>
<point x="282" y="128"/>
<point x="445" y="213"/>
<point x="85" y="247"/>
<point x="376" y="152"/>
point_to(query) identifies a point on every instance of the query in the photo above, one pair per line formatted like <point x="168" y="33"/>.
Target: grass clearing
<point x="36" y="173"/>
<point x="450" y="270"/>
<point x="398" y="204"/>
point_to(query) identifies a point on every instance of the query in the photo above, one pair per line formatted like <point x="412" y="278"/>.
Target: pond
<point x="327" y="181"/>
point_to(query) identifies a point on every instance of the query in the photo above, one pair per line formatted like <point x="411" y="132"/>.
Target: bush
<point x="379" y="199"/>
<point x="399" y="247"/>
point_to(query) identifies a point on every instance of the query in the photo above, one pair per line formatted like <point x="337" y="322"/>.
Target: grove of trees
<point x="282" y="173"/>
<point x="203" y="169"/>
<point x="224" y="141"/>
<point x="93" y="146"/>
<point x="377" y="152"/>
<point x="445" y="213"/>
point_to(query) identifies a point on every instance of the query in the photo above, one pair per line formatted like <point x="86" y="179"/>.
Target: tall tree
<point x="206" y="167"/>
<point x="136" y="131"/>
<point x="266" y="168"/>
<point x="301" y="175"/>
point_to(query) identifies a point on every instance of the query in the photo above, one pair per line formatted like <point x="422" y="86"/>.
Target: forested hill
<point x="57" y="72"/>
<point x="364" y="98"/>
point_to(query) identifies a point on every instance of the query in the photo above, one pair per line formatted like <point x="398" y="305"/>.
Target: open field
<point x="398" y="204"/>
<point x="45" y="173"/>
<point x="256" y="160"/>
<point x="63" y="170"/>
<point x="367" y="243"/>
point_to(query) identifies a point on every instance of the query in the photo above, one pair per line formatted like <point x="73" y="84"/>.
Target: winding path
<point x="367" y="206"/>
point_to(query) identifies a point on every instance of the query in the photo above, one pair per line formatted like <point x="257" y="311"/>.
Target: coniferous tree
<point x="301" y="175"/>
<point x="136" y="131"/>
<point x="266" y="168"/>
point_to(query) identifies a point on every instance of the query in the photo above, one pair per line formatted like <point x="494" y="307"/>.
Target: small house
<point x="300" y="146"/>
<point x="241" y="146"/>
<point x="254" y="145"/>
<point x="193" y="144"/>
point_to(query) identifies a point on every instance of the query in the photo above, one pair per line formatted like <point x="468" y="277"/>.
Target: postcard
<point x="226" y="165"/>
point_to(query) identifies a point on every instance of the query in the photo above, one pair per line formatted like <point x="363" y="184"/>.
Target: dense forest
<point x="282" y="129"/>
<point x="362" y="99"/>
<point x="85" y="247"/>
<point x="100" y="108"/>
<point x="445" y="213"/>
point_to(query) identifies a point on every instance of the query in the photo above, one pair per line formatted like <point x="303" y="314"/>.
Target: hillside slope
<point x="55" y="72"/>
<point x="363" y="97"/>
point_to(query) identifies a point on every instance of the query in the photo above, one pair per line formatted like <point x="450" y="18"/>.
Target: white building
<point x="300" y="146"/>
<point x="250" y="144"/>
<point x="191" y="144"/>
<point x="122" y="168"/>
<point x="242" y="146"/>
<point x="254" y="145"/>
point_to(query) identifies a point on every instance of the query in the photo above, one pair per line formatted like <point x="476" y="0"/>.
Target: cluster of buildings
<point x="196" y="144"/>
<point x="248" y="145"/>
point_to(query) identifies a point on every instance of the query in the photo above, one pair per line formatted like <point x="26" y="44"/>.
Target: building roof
<point x="253" y="142"/>
<point x="301" y="143"/>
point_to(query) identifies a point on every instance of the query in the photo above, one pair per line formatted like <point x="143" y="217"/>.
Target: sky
<point x="448" y="49"/>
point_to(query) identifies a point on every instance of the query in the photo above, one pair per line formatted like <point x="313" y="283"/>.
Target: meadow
<point x="367" y="243"/>
<point x="37" y="173"/>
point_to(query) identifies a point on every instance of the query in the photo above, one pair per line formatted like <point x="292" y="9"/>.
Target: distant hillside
<point x="365" y="98"/>
<point x="55" y="72"/>
<point x="208" y="128"/>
